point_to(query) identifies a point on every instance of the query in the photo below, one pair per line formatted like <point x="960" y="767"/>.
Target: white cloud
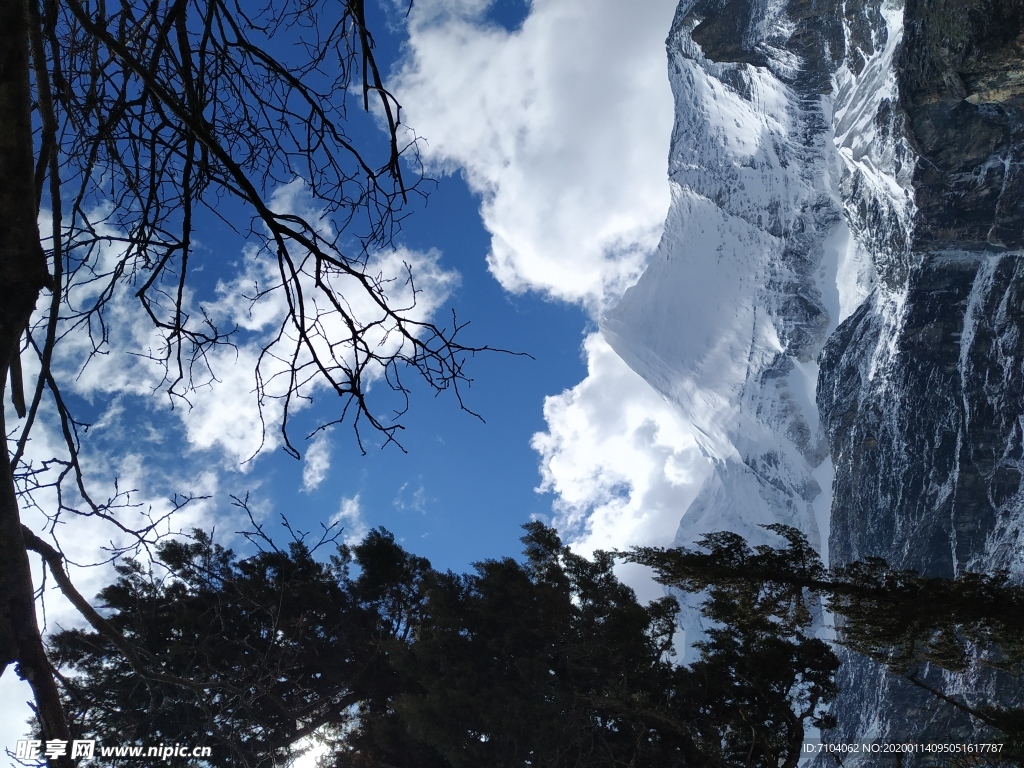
<point x="224" y="411"/>
<point x="563" y="126"/>
<point x="414" y="500"/>
<point x="350" y="517"/>
<point x="318" y="461"/>
<point x="413" y="283"/>
<point x="621" y="460"/>
<point x="144" y="484"/>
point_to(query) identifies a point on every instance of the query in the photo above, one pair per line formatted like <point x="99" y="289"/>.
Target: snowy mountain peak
<point x="835" y="302"/>
<point x="729" y="319"/>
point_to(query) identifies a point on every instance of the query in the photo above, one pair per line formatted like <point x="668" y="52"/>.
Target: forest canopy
<point x="548" y="660"/>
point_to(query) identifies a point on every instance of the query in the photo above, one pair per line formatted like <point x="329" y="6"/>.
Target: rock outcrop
<point x="921" y="391"/>
<point x="837" y="304"/>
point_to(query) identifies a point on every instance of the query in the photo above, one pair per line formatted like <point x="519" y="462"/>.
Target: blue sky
<point x="547" y="125"/>
<point x="463" y="487"/>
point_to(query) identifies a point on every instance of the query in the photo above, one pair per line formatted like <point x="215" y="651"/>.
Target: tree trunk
<point x="23" y="274"/>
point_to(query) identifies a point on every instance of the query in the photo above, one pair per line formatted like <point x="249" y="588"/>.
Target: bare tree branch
<point x="131" y="124"/>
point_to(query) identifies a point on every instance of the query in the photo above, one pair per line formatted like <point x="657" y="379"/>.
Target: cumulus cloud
<point x="223" y="410"/>
<point x="145" y="485"/>
<point x="318" y="461"/>
<point x="350" y="517"/>
<point x="622" y="461"/>
<point x="412" y="283"/>
<point x="562" y="126"/>
<point x="144" y="449"/>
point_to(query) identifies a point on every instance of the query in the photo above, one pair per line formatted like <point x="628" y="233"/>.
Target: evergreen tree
<point x="243" y="656"/>
<point x="896" y="617"/>
<point x="760" y="676"/>
<point x="548" y="661"/>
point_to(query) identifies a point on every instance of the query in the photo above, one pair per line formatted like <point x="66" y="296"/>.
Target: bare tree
<point x="128" y="121"/>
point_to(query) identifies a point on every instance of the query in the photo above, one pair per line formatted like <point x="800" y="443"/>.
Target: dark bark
<point x="23" y="271"/>
<point x="23" y="274"/>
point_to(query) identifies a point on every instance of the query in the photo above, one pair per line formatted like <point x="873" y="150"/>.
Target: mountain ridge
<point x="836" y="303"/>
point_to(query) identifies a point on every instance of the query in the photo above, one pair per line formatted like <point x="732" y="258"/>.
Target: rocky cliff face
<point x="757" y="265"/>
<point x="920" y="391"/>
<point x="731" y="315"/>
<point x="836" y="304"/>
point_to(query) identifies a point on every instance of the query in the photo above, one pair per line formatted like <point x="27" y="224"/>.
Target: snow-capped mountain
<point x="729" y="318"/>
<point x="836" y="304"/>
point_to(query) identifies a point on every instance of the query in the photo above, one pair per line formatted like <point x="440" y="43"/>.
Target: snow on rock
<point x="845" y="182"/>
<point x="921" y="387"/>
<point x="729" y="317"/>
<point x="835" y="305"/>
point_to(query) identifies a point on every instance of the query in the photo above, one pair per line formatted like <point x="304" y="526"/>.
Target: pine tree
<point x="547" y="662"/>
<point x="896" y="617"/>
<point x="763" y="676"/>
<point x="252" y="654"/>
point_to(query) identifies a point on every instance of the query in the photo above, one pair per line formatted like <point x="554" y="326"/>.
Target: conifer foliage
<point x="898" y="618"/>
<point x="545" y="661"/>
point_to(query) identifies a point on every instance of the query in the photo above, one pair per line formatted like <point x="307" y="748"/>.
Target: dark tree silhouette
<point x="252" y="654"/>
<point x="549" y="661"/>
<point x="128" y="122"/>
<point x="895" y="617"/>
<point x="765" y="677"/>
